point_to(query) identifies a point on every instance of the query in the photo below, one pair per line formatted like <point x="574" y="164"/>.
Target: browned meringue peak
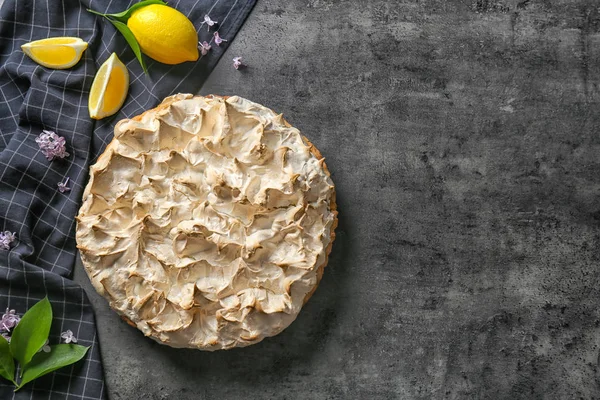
<point x="206" y="221"/>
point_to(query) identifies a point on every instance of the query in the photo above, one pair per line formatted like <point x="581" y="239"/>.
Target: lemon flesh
<point x="109" y="88"/>
<point x="57" y="52"/>
<point x="164" y="34"/>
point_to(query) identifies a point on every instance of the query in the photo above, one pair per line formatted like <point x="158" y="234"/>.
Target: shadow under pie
<point x="286" y="352"/>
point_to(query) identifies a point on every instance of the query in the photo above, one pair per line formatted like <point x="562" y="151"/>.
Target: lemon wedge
<point x="109" y="88"/>
<point x="56" y="52"/>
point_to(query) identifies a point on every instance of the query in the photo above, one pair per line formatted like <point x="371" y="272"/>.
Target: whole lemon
<point x="164" y="34"/>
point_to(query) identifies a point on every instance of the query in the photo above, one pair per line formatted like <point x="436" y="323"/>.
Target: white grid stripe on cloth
<point x="34" y="98"/>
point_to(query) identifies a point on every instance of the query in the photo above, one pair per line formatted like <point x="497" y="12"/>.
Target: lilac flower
<point x="5" y="336"/>
<point x="68" y="337"/>
<point x="46" y="347"/>
<point x="218" y="39"/>
<point x="209" y="21"/>
<point x="62" y="186"/>
<point x="237" y="63"/>
<point x="6" y="239"/>
<point x="52" y="145"/>
<point x="9" y="320"/>
<point x="204" y="48"/>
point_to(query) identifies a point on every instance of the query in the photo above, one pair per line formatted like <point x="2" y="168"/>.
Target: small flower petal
<point x="237" y="63"/>
<point x="204" y="48"/>
<point x="9" y="320"/>
<point x="46" y="347"/>
<point x="209" y="21"/>
<point x="51" y="145"/>
<point x="62" y="186"/>
<point x="218" y="39"/>
<point x="68" y="336"/>
<point x="6" y="239"/>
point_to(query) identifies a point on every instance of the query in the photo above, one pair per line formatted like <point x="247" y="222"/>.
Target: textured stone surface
<point x="463" y="136"/>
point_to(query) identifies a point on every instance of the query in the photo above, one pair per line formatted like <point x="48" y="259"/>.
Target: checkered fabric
<point x="33" y="98"/>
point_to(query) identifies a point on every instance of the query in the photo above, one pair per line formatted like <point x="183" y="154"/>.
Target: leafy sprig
<point x="7" y="364"/>
<point x="119" y="20"/>
<point x="27" y="339"/>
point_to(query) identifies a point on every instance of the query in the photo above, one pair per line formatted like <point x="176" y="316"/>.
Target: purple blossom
<point x="218" y="39"/>
<point x="6" y="239"/>
<point x="9" y="320"/>
<point x="209" y="21"/>
<point x="68" y="337"/>
<point x="204" y="48"/>
<point x="62" y="186"/>
<point x="52" y="145"/>
<point x="237" y="63"/>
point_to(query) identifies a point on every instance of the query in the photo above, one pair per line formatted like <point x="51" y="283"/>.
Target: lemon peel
<point x="164" y="34"/>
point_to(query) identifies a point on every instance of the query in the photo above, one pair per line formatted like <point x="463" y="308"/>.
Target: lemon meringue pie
<point x="207" y="222"/>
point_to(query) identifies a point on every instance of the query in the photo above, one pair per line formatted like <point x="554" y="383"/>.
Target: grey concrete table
<point x="464" y="139"/>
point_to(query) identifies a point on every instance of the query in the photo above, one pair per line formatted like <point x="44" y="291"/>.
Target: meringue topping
<point x="207" y="221"/>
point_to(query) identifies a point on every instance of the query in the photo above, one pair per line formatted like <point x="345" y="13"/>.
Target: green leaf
<point x="124" y="29"/>
<point x="32" y="332"/>
<point x="124" y="16"/>
<point x="7" y="365"/>
<point x="59" y="356"/>
<point x="119" y="20"/>
<point x="96" y="12"/>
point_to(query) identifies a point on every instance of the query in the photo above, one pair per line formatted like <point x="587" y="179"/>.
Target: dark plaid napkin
<point x="34" y="98"/>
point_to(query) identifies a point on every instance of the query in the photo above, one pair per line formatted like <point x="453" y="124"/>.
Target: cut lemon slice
<point x="109" y="88"/>
<point x="57" y="52"/>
